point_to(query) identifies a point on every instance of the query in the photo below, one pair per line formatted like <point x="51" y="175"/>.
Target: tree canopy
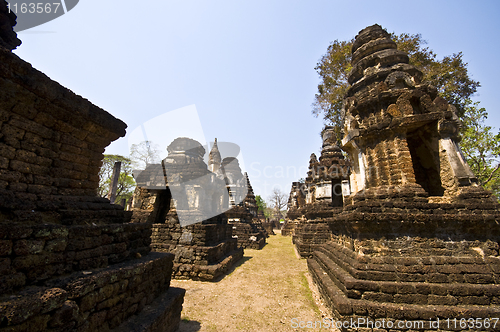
<point x="481" y="147"/>
<point x="449" y="75"/>
<point x="261" y="204"/>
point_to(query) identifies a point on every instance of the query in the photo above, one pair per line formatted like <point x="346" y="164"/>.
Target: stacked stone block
<point x="418" y="240"/>
<point x="96" y="300"/>
<point x="69" y="261"/>
<point x="183" y="187"/>
<point x="51" y="147"/>
<point x="246" y="229"/>
<point x="33" y="254"/>
<point x="315" y="201"/>
<point x="202" y="251"/>
<point x="289" y="228"/>
<point x="248" y="237"/>
<point x="268" y="227"/>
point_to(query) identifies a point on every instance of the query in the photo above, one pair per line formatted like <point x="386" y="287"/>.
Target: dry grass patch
<point x="263" y="293"/>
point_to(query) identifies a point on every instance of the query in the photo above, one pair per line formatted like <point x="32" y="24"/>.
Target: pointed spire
<point x="214" y="158"/>
<point x="249" y="200"/>
<point x="249" y="186"/>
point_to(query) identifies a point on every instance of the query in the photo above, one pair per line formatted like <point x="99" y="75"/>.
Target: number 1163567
<point x="34" y="7"/>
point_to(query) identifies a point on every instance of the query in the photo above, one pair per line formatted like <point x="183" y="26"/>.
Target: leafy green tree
<point x="333" y="68"/>
<point x="126" y="183"/>
<point x="481" y="147"/>
<point x="449" y="75"/>
<point x="261" y="204"/>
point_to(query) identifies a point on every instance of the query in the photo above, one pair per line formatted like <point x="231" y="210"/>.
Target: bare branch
<point x="491" y="175"/>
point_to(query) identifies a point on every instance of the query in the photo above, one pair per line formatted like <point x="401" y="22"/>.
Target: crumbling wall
<point x="96" y="300"/>
<point x="33" y="254"/>
<point x="202" y="251"/>
<point x="69" y="261"/>
<point x="248" y="236"/>
<point x="51" y="148"/>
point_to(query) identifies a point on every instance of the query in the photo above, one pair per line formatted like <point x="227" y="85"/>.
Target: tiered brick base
<point x="202" y="251"/>
<point x="33" y="254"/>
<point x="268" y="227"/>
<point x="401" y="258"/>
<point x="247" y="236"/>
<point x="309" y="235"/>
<point x="313" y="231"/>
<point x="96" y="299"/>
<point x="82" y="278"/>
<point x="289" y="228"/>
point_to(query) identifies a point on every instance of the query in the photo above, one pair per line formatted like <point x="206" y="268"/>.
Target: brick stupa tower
<point x="242" y="214"/>
<point x="186" y="202"/>
<point x="324" y="195"/>
<point x="418" y="239"/>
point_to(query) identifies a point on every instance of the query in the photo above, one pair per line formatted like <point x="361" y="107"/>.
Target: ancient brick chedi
<point x="247" y="228"/>
<point x="68" y="260"/>
<point x="313" y="203"/>
<point x="186" y="202"/>
<point x="418" y="239"/>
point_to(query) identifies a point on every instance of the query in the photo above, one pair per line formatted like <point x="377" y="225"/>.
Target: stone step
<point x="363" y="286"/>
<point x="162" y="315"/>
<point x="344" y="308"/>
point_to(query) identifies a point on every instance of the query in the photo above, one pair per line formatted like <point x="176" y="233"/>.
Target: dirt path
<point x="267" y="291"/>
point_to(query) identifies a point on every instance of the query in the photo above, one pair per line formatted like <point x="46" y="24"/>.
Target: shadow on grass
<point x="232" y="268"/>
<point x="187" y="325"/>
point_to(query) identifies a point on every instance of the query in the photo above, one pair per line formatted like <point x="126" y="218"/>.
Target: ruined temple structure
<point x="268" y="226"/>
<point x="186" y="202"/>
<point x="69" y="261"/>
<point x="301" y="193"/>
<point x="249" y="201"/>
<point x="247" y="228"/>
<point x="418" y="239"/>
<point x="288" y="228"/>
<point x="242" y="207"/>
<point x="314" y="202"/>
<point x="275" y="219"/>
<point x="296" y="201"/>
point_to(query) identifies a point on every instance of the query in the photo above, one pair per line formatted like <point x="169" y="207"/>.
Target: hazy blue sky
<point x="242" y="70"/>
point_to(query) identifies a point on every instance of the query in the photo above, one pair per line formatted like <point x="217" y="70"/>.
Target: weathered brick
<point x="5" y="247"/>
<point x="28" y="247"/>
